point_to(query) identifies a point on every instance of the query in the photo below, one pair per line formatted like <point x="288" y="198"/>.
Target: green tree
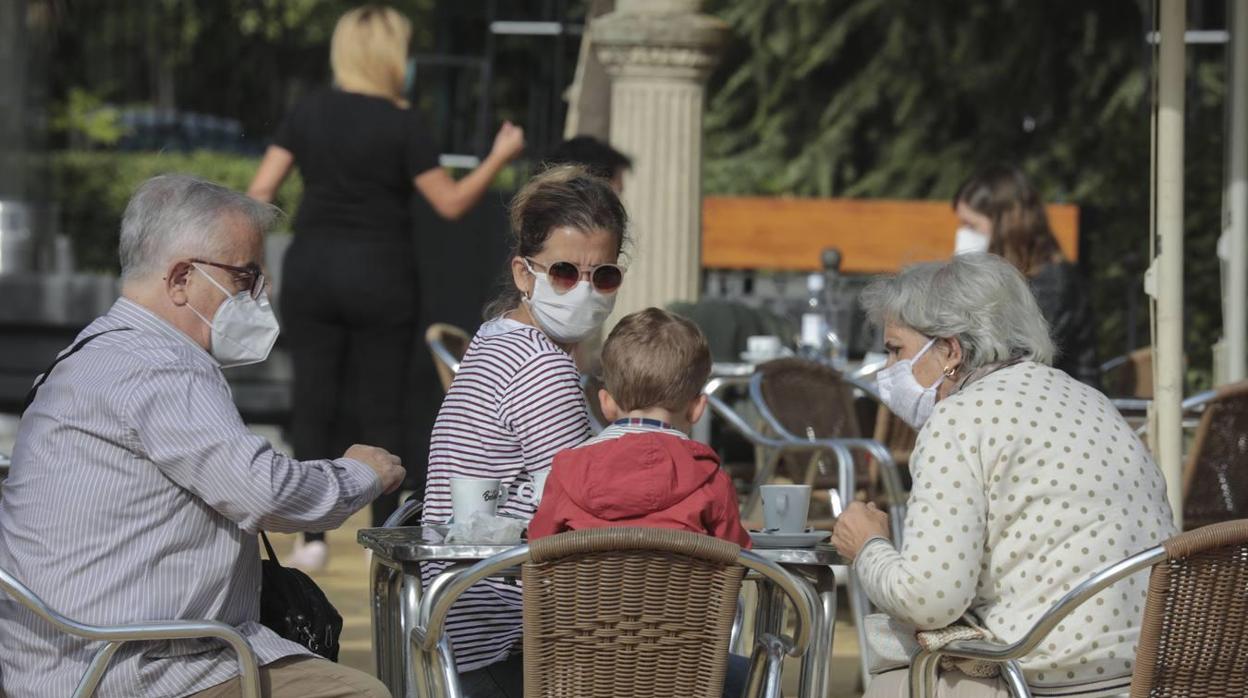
<point x="904" y="98"/>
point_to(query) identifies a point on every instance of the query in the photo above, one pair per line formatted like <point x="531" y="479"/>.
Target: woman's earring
<point x="950" y="371"/>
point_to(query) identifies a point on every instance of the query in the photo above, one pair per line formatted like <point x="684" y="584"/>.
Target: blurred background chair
<point x="802" y="400"/>
<point x="1193" y="639"/>
<point x="1129" y="375"/>
<point x="448" y="344"/>
<point x="622" y="612"/>
<point x="1215" y="477"/>
<point x="113" y="637"/>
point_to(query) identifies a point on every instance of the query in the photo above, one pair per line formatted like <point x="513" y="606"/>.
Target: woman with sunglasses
<point x="516" y="400"/>
<point x="349" y="296"/>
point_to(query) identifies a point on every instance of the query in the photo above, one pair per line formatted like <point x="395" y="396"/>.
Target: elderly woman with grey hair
<point x="1025" y="483"/>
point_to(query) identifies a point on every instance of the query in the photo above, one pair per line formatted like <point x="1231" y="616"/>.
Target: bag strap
<point x="269" y="548"/>
<point x="43" y="377"/>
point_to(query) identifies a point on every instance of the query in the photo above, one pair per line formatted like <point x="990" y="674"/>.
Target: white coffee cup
<point x="471" y="495"/>
<point x="785" y="507"/>
<point x="763" y="346"/>
<point x="532" y="491"/>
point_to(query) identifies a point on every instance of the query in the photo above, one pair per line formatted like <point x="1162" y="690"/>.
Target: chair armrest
<point x="1199" y="400"/>
<point x="399" y="516"/>
<point x="437" y="601"/>
<point x="800" y="595"/>
<point x="995" y="652"/>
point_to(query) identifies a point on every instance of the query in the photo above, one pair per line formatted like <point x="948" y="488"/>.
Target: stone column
<point x="659" y="54"/>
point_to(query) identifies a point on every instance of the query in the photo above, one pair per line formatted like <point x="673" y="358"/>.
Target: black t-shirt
<point x="357" y="155"/>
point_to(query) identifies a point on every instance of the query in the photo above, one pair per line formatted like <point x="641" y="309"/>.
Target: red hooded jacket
<point x="641" y="479"/>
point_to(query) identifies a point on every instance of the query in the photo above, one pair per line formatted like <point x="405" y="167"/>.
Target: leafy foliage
<point x="92" y="189"/>
<point x="904" y="98"/>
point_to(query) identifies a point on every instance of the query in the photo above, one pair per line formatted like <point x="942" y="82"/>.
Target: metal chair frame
<point x="114" y="637"/>
<point x="432" y="662"/>
<point x="888" y="466"/>
<point x="923" y="666"/>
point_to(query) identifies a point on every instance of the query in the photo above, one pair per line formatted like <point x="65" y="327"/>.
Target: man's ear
<point x="696" y="409"/>
<point x="610" y="410"/>
<point x="176" y="281"/>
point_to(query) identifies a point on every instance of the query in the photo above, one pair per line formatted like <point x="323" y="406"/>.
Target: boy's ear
<point x="696" y="409"/>
<point x="610" y="410"/>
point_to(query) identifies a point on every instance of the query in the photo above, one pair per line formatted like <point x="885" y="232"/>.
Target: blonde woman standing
<point x="349" y="289"/>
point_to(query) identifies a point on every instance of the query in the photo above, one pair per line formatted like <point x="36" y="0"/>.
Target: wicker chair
<point x="1193" y="638"/>
<point x="114" y="637"/>
<point x="448" y="344"/>
<point x="1215" y="477"/>
<point x="620" y="612"/>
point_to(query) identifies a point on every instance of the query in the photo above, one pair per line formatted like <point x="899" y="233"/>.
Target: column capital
<point x="664" y="40"/>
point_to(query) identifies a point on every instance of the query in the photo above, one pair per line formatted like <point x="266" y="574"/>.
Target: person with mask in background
<point x="349" y="296"/>
<point x="1026" y="482"/>
<point x="136" y="491"/>
<point x="517" y="400"/>
<point x="600" y="159"/>
<point x="999" y="212"/>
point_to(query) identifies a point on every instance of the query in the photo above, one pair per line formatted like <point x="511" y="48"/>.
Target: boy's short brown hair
<point x="654" y="358"/>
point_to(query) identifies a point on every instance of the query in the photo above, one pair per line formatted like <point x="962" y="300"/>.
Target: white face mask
<point x="901" y="393"/>
<point x="570" y="317"/>
<point x="968" y="239"/>
<point x="243" y="328"/>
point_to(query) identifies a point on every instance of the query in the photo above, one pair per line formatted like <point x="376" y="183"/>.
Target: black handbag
<point x="293" y="606"/>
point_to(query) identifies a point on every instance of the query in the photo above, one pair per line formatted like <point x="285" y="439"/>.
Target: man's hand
<point x="859" y="524"/>
<point x="387" y="465"/>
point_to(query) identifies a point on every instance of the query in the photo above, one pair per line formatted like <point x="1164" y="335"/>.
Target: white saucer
<point x="806" y="539"/>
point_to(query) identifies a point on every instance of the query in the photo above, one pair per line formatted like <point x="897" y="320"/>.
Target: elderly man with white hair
<point x="1026" y="482"/>
<point x="136" y="491"/>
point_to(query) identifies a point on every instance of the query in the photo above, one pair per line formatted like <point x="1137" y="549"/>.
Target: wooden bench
<point x="873" y="235"/>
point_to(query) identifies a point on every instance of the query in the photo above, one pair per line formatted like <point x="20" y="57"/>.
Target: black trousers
<point x="350" y="310"/>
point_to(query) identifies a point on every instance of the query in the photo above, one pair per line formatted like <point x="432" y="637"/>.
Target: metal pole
<point x="1168" y="264"/>
<point x="1235" y="236"/>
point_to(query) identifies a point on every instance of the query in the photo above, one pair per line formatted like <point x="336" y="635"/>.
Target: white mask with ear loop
<point x="244" y="329"/>
<point x="968" y="240"/>
<point x="569" y="317"/>
<point x="901" y="392"/>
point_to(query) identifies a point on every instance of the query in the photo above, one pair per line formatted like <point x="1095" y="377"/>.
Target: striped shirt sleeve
<point x="185" y="422"/>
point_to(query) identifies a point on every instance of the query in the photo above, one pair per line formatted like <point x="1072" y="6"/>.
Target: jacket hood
<point x="636" y="474"/>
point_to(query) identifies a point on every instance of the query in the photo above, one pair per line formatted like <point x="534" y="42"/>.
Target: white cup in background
<point x="532" y="491"/>
<point x="471" y="495"/>
<point x="785" y="507"/>
<point x="763" y="346"/>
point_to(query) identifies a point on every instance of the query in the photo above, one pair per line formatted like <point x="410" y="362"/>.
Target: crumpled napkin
<point x="484" y="529"/>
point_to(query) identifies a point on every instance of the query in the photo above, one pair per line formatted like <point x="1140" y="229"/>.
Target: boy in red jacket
<point x="643" y="470"/>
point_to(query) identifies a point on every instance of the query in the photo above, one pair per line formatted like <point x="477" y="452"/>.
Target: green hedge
<point x="92" y="189"/>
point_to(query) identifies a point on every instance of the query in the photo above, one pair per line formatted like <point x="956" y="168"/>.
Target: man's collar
<point x="141" y="318"/>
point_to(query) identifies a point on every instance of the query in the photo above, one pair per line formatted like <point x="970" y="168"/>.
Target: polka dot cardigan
<point x="1026" y="482"/>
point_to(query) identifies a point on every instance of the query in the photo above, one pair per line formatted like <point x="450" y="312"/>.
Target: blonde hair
<point x="654" y="358"/>
<point x="368" y="52"/>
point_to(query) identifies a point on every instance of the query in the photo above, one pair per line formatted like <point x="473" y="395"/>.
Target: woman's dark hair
<point x="566" y="196"/>
<point x="1020" y="227"/>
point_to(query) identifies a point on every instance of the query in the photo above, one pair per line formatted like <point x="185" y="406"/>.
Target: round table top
<point x="428" y="542"/>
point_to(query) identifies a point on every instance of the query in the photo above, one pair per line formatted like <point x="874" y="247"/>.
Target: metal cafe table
<point x="395" y="588"/>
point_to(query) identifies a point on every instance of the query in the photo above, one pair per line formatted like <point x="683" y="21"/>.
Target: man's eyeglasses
<point x="249" y="277"/>
<point x="563" y="276"/>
